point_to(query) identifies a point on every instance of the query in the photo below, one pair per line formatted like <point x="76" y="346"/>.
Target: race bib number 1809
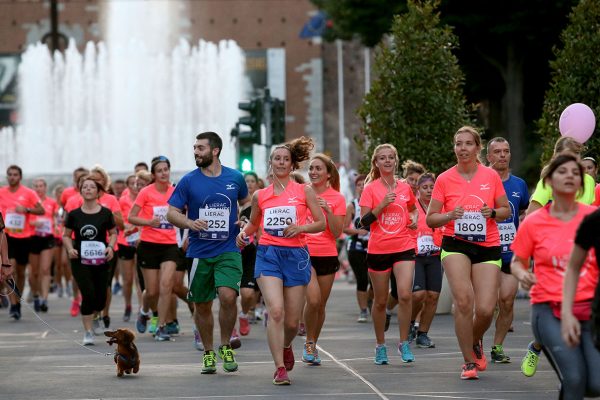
<point x="472" y="227"/>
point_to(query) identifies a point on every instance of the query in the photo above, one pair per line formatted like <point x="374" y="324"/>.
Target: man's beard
<point x="202" y="163"/>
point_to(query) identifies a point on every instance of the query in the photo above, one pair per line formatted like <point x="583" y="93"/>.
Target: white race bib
<point x="276" y="219"/>
<point x="92" y="253"/>
<point x="507" y="231"/>
<point x="472" y="227"/>
<point x="425" y="245"/>
<point x="217" y="220"/>
<point x="43" y="227"/>
<point x="133" y="238"/>
<point x="14" y="222"/>
<point x="160" y="213"/>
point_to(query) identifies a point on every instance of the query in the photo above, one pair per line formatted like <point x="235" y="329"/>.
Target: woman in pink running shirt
<point x="282" y="267"/>
<point x="388" y="207"/>
<point x="325" y="181"/>
<point x="474" y="199"/>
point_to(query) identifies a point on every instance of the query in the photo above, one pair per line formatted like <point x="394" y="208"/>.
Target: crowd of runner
<point x="277" y="242"/>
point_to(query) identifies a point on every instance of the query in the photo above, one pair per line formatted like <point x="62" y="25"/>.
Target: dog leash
<point x="16" y="291"/>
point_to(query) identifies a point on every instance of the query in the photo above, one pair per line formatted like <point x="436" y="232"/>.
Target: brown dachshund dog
<point x="127" y="357"/>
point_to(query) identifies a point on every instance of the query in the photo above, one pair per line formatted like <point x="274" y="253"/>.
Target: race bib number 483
<point x="507" y="233"/>
<point x="276" y="219"/>
<point x="472" y="227"/>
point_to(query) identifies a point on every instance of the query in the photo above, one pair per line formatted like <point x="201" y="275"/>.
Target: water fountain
<point x="124" y="100"/>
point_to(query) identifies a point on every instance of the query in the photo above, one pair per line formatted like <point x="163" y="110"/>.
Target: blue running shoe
<point x="308" y="354"/>
<point x="162" y="335"/>
<point x="172" y="328"/>
<point x="142" y="322"/>
<point x="317" y="359"/>
<point x="405" y="353"/>
<point x="381" y="357"/>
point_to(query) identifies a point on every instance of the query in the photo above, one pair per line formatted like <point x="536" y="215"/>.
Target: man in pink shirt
<point x="17" y="203"/>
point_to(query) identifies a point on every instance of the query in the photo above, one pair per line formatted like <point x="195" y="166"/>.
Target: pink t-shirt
<point x="126" y="204"/>
<point x="550" y="241"/>
<point x="597" y="195"/>
<point x="17" y="224"/>
<point x="154" y="204"/>
<point x="106" y="200"/>
<point x="44" y="224"/>
<point x="323" y="244"/>
<point x="67" y="194"/>
<point x="279" y="211"/>
<point x="390" y="233"/>
<point x="425" y="235"/>
<point x="452" y="190"/>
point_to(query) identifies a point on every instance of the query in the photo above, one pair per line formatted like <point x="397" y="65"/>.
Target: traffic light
<point x="277" y="121"/>
<point x="254" y="120"/>
<point x="245" y="159"/>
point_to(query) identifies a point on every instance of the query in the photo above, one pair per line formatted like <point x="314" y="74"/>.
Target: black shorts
<point x="184" y="264"/>
<point x="151" y="255"/>
<point x="126" y="253"/>
<point x="41" y="243"/>
<point x="385" y="262"/>
<point x="325" y="265"/>
<point x="428" y="274"/>
<point x="505" y="267"/>
<point x="248" y="261"/>
<point x="476" y="253"/>
<point x="18" y="249"/>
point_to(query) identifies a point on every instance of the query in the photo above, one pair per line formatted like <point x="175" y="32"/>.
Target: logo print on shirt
<point x="516" y="194"/>
<point x="485" y="186"/>
<point x="89" y="232"/>
<point x="403" y="197"/>
<point x="230" y="186"/>
<point x="292" y="200"/>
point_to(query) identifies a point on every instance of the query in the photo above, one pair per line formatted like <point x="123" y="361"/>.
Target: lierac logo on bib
<point x="485" y="186"/>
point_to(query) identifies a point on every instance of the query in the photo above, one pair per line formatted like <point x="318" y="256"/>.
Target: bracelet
<point x="7" y="265"/>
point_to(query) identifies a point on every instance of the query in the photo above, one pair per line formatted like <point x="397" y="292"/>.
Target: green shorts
<point x="208" y="274"/>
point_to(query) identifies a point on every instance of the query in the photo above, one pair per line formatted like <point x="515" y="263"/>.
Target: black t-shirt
<point x="90" y="227"/>
<point x="588" y="233"/>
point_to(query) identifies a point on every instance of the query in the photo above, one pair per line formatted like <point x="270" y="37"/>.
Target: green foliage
<point x="575" y="75"/>
<point x="368" y="20"/>
<point x="416" y="102"/>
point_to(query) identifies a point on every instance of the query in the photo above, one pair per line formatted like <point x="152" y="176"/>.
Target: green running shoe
<point x="498" y="355"/>
<point x="209" y="363"/>
<point x="153" y="325"/>
<point x="530" y="361"/>
<point x="227" y="355"/>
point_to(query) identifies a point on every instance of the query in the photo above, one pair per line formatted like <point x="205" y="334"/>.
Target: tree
<point x="416" y="102"/>
<point x="575" y="75"/>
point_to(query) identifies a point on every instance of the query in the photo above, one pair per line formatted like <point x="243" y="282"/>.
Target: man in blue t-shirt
<point x="211" y="194"/>
<point x="498" y="155"/>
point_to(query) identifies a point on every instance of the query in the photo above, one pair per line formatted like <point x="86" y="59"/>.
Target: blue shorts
<point x="290" y="264"/>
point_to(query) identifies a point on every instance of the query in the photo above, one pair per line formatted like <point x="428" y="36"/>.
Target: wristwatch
<point x="493" y="215"/>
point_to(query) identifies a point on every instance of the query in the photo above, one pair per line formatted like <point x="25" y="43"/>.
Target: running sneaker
<point x="412" y="333"/>
<point x="44" y="306"/>
<point x="106" y="320"/>
<point x="301" y="329"/>
<point x="308" y="354"/>
<point x="288" y="358"/>
<point x="498" y="356"/>
<point x="381" y="357"/>
<point x="96" y="325"/>
<point x="244" y="325"/>
<point x="317" y="359"/>
<point x="36" y="304"/>
<point x="162" y="335"/>
<point x="530" y="361"/>
<point x="69" y="289"/>
<point x="172" y="328"/>
<point x="88" y="338"/>
<point x="479" y="356"/>
<point x="362" y="317"/>
<point x="14" y="312"/>
<point x="116" y="287"/>
<point x="469" y="371"/>
<point x="280" y="377"/>
<point x="127" y="314"/>
<point x="142" y="322"/>
<point x="198" y="340"/>
<point x="234" y="340"/>
<point x="227" y="354"/>
<point x="153" y="325"/>
<point x="424" y="342"/>
<point x="75" y="307"/>
<point x="388" y="319"/>
<point x="209" y="362"/>
<point x="405" y="352"/>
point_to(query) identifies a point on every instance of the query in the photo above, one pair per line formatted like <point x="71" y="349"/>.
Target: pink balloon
<point x="578" y="122"/>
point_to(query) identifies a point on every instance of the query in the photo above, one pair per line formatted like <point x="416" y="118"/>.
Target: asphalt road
<point x="45" y="361"/>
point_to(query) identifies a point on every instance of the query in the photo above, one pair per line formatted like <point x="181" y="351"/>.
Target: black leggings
<point x="93" y="283"/>
<point x="358" y="262"/>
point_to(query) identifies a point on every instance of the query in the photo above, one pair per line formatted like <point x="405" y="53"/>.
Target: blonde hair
<point x="374" y="172"/>
<point x="105" y="177"/>
<point x="476" y="137"/>
<point x="565" y="143"/>
<point x="334" y="175"/>
<point x="410" y="167"/>
<point x="299" y="149"/>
